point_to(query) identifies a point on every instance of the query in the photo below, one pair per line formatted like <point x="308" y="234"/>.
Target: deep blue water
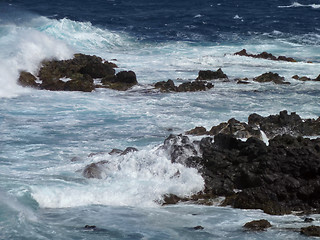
<point x="199" y="21"/>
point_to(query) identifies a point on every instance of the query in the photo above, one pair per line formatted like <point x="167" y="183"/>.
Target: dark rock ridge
<point x="258" y="225"/>
<point x="194" y="86"/>
<point x="279" y="178"/>
<point x="273" y="125"/>
<point x="211" y="75"/>
<point x="77" y="74"/>
<point x="270" y="77"/>
<point x="305" y="79"/>
<point x="265" y="55"/>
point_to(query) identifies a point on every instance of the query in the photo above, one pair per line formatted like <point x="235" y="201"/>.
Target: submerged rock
<point x="211" y="75"/>
<point x="258" y="225"/>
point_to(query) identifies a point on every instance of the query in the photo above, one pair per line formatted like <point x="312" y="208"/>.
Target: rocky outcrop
<point x="264" y="55"/>
<point x="194" y="86"/>
<point x="270" y="77"/>
<point x="211" y="75"/>
<point x="273" y="125"/>
<point x="258" y="225"/>
<point x="278" y="178"/>
<point x="283" y="123"/>
<point x="78" y="74"/>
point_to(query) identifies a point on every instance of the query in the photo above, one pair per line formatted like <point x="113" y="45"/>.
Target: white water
<point x="136" y="179"/>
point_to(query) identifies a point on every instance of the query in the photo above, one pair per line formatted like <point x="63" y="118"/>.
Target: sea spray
<point x="23" y="48"/>
<point x="135" y="179"/>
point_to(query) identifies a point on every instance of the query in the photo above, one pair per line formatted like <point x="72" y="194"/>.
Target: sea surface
<point x="47" y="137"/>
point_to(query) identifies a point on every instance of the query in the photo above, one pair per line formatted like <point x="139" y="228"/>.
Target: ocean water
<point x="47" y="137"/>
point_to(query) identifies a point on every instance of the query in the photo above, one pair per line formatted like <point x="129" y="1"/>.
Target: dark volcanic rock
<point x="93" y="66"/>
<point x="273" y="125"/>
<point x="122" y="81"/>
<point x="80" y="82"/>
<point x="210" y="75"/>
<point x="198" y="131"/>
<point x="258" y="225"/>
<point x="26" y="79"/>
<point x="270" y="77"/>
<point x="194" y="86"/>
<point x="167" y="86"/>
<point x="304" y="78"/>
<point x="283" y="123"/>
<point x="265" y="55"/>
<point x="236" y="128"/>
<point x="278" y="178"/>
<point x="77" y="74"/>
<point x="311" y="231"/>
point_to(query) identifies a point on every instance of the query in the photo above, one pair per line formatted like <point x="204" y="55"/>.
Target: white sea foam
<point x="136" y="179"/>
<point x="297" y="4"/>
<point x="23" y="48"/>
<point x="82" y="35"/>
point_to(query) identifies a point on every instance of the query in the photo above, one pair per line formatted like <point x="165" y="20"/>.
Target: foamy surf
<point x="22" y="49"/>
<point x="138" y="179"/>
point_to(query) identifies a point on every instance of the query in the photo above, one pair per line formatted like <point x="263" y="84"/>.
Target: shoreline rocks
<point x="279" y="178"/>
<point x="78" y="74"/>
<point x="273" y="125"/>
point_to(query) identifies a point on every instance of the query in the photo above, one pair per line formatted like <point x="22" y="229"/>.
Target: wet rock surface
<point x="211" y="75"/>
<point x="270" y="77"/>
<point x="273" y="125"/>
<point x="258" y="225"/>
<point x="78" y="74"/>
<point x="264" y="55"/>
<point x="279" y="178"/>
<point x="26" y="79"/>
<point x="193" y="86"/>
